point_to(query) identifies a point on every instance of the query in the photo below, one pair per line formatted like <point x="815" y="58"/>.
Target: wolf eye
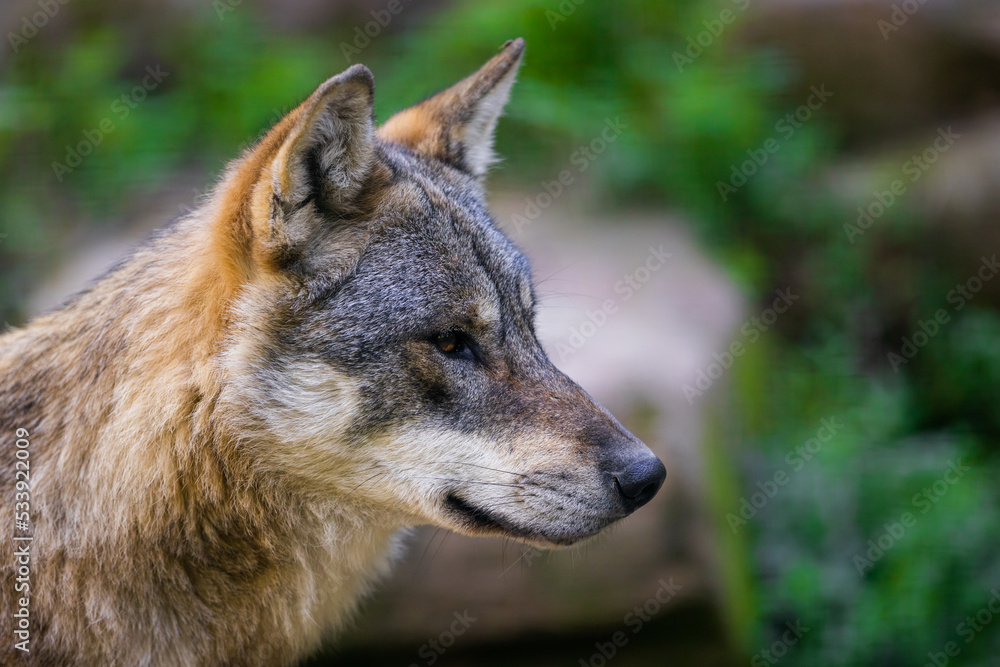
<point x="449" y="343"/>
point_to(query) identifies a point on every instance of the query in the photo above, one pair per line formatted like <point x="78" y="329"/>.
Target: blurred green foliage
<point x="687" y="127"/>
<point x="225" y="83"/>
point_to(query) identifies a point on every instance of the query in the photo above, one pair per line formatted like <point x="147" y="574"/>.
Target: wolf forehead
<point x="433" y="256"/>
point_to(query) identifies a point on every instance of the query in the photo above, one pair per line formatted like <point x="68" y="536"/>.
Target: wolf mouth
<point x="476" y="517"/>
<point x="480" y="520"/>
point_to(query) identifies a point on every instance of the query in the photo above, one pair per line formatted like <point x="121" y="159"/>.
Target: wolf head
<point x="381" y="353"/>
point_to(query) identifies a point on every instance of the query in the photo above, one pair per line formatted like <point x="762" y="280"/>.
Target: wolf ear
<point x="317" y="158"/>
<point x="457" y="125"/>
<point x="328" y="151"/>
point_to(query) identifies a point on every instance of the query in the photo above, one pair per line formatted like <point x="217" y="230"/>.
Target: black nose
<point x="640" y="481"/>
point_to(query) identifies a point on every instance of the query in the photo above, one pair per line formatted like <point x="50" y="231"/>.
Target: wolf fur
<point x="230" y="429"/>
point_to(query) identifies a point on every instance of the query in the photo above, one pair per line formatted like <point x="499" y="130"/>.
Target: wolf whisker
<point x="555" y="273"/>
<point x="469" y="481"/>
<point x="378" y="474"/>
<point x="465" y="463"/>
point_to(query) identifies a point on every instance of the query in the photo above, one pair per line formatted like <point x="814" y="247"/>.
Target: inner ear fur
<point x="457" y="125"/>
<point x="316" y="160"/>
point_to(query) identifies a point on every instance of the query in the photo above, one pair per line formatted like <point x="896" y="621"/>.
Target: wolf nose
<point x="640" y="481"/>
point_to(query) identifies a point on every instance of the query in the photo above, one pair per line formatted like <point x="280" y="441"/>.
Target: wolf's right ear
<point x="317" y="158"/>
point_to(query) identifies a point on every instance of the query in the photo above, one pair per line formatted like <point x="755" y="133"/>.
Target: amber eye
<point x="449" y="343"/>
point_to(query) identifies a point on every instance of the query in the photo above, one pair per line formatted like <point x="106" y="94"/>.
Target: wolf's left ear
<point x="457" y="125"/>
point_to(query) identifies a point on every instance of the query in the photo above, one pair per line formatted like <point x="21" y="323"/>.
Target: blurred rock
<point x="894" y="90"/>
<point x="942" y="62"/>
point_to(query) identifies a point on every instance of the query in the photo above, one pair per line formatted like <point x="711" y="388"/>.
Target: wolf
<point x="229" y="433"/>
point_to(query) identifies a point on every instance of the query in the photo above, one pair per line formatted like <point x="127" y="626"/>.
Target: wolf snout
<point x="639" y="481"/>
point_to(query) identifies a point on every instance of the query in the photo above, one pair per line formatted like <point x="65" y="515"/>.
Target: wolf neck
<point x="119" y="390"/>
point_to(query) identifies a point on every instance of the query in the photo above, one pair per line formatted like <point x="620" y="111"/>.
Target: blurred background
<point x="792" y="205"/>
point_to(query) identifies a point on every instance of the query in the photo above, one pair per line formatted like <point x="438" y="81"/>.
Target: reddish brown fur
<point x="437" y="126"/>
<point x="135" y="472"/>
